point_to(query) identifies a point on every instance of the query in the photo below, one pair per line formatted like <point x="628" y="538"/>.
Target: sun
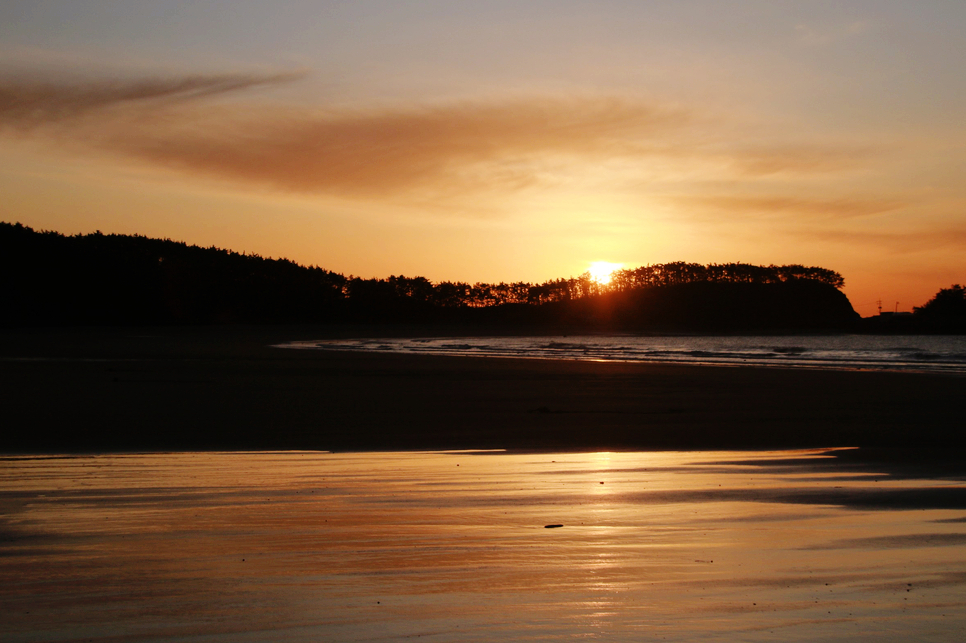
<point x="601" y="271"/>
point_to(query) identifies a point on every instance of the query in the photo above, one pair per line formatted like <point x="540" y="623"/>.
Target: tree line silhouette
<point x="946" y="312"/>
<point x="50" y="278"/>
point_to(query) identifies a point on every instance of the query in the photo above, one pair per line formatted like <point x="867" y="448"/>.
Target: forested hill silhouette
<point x="107" y="279"/>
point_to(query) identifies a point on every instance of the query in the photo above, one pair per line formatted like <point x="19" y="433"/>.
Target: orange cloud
<point x="392" y="151"/>
<point x="906" y="241"/>
<point x="812" y="208"/>
<point x="362" y="153"/>
<point x="456" y="149"/>
<point x="799" y="159"/>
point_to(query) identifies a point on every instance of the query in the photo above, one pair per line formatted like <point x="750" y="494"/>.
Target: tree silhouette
<point x="49" y="278"/>
<point x="946" y="311"/>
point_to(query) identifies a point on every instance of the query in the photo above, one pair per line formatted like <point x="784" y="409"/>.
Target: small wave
<point x="343" y="346"/>
<point x="706" y="354"/>
<point x="789" y="350"/>
<point x="929" y="356"/>
<point x="564" y="346"/>
<point x="458" y="347"/>
<point x="923" y="353"/>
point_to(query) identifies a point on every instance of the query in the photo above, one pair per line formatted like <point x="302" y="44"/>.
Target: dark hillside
<point x="716" y="307"/>
<point x="97" y="279"/>
<point x="48" y="279"/>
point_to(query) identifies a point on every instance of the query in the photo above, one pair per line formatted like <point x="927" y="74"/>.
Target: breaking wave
<point x="929" y="353"/>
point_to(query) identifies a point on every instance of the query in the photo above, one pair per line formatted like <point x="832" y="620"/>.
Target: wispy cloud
<point x="733" y="206"/>
<point x="396" y="150"/>
<point x="370" y="152"/>
<point x="800" y="159"/>
<point x="905" y="241"/>
<point x="457" y="149"/>
<point x="31" y="103"/>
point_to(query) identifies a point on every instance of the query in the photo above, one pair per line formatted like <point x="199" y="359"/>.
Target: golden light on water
<point x="602" y="271"/>
<point x="690" y="546"/>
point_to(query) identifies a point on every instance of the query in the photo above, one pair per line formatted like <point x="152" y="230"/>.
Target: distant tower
<point x="880" y="306"/>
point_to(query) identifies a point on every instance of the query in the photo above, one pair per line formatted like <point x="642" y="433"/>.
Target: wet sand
<point x="454" y="547"/>
<point x="228" y="388"/>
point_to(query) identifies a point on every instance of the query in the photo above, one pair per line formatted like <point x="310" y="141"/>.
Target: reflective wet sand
<point x="453" y="546"/>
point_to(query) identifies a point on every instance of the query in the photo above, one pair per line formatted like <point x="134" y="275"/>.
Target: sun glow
<point x="601" y="271"/>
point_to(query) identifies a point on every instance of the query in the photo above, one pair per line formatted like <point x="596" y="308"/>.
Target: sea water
<point x="477" y="546"/>
<point x="930" y="353"/>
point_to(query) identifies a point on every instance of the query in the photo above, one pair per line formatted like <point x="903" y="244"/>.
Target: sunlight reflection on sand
<point x="445" y="546"/>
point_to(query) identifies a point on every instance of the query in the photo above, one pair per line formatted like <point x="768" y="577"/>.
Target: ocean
<point x="922" y="353"/>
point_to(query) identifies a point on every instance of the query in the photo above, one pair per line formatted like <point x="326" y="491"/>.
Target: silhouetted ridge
<point x="946" y="312"/>
<point x="705" y="306"/>
<point x="52" y="279"/>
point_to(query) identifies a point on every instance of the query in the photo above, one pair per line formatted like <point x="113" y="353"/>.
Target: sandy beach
<point x="454" y="546"/>
<point x="232" y="534"/>
<point x="94" y="390"/>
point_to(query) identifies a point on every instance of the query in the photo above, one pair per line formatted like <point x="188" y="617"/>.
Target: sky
<point x="500" y="141"/>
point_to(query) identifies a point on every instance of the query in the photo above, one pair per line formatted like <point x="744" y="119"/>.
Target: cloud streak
<point x="29" y="104"/>
<point x="782" y="206"/>
<point x="799" y="159"/>
<point x="393" y="151"/>
<point x="454" y="150"/>
<point x="898" y="243"/>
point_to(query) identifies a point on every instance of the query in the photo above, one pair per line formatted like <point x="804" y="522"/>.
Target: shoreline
<point x="657" y="362"/>
<point x="216" y="388"/>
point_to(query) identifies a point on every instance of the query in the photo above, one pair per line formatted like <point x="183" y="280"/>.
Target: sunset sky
<point x="489" y="141"/>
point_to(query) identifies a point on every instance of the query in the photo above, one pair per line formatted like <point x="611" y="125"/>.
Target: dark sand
<point x="228" y="388"/>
